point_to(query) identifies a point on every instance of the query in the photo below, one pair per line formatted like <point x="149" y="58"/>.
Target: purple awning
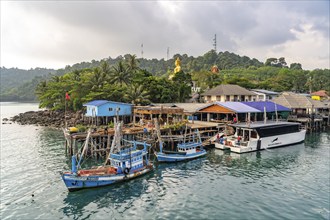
<point x="270" y="106"/>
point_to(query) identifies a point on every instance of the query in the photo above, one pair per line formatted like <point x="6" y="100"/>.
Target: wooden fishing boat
<point x="127" y="161"/>
<point x="190" y="148"/>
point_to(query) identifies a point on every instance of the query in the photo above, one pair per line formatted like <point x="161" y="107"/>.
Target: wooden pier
<point x="100" y="140"/>
<point x="312" y="123"/>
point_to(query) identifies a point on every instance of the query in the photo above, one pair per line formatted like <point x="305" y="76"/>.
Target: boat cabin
<point x="189" y="147"/>
<point x="246" y="132"/>
<point x="128" y="159"/>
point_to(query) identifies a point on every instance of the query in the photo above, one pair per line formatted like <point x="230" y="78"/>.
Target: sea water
<point x="284" y="183"/>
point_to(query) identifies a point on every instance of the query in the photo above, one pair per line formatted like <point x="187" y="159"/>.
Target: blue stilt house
<point x="105" y="110"/>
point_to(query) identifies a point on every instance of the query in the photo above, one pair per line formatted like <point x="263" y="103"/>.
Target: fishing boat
<point x="261" y="135"/>
<point x="190" y="148"/>
<point x="127" y="160"/>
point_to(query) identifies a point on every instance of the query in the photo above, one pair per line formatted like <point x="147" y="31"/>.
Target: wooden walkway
<point x="100" y="140"/>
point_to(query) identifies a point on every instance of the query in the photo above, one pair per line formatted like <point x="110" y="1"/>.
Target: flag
<point x="67" y="97"/>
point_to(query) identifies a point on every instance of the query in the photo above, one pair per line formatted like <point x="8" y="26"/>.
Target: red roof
<point x="320" y="93"/>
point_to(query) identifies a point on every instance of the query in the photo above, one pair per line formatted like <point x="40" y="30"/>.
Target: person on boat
<point x="218" y="137"/>
<point x="224" y="140"/>
<point x="238" y="140"/>
<point x="246" y="137"/>
<point x="221" y="140"/>
<point x="145" y="132"/>
<point x="235" y="120"/>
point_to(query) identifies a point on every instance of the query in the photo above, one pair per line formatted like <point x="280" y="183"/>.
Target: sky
<point x="53" y="34"/>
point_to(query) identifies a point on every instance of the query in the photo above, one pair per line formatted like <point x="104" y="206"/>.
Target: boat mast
<point x="185" y="134"/>
<point x="85" y="148"/>
<point x="158" y="135"/>
<point x="276" y="116"/>
<point x="116" y="137"/>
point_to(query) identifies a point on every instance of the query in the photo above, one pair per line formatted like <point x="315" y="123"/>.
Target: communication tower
<point x="215" y="42"/>
<point x="168" y="53"/>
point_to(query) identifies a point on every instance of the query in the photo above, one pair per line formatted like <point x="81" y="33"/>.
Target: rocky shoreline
<point x="49" y="118"/>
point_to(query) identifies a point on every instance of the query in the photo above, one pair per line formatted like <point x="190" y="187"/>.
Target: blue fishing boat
<point x="126" y="160"/>
<point x="190" y="148"/>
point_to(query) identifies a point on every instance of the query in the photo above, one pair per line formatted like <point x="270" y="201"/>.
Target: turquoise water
<point x="284" y="183"/>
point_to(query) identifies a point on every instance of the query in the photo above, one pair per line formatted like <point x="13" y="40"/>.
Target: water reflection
<point x="190" y="165"/>
<point x="317" y="140"/>
<point x="121" y="198"/>
<point x="256" y="164"/>
<point x="118" y="198"/>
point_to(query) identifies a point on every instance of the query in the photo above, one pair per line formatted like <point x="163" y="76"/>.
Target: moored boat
<point x="260" y="135"/>
<point x="127" y="161"/>
<point x="190" y="148"/>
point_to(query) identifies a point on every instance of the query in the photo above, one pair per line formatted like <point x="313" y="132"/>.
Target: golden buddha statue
<point x="176" y="69"/>
<point x="177" y="65"/>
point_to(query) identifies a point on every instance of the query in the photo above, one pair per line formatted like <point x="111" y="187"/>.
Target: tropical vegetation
<point x="142" y="81"/>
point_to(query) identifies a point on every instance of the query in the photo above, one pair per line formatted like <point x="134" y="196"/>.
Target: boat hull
<point x="163" y="157"/>
<point x="75" y="182"/>
<point x="265" y="143"/>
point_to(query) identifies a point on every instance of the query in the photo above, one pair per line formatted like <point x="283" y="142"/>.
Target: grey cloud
<point x="112" y="28"/>
<point x="131" y="22"/>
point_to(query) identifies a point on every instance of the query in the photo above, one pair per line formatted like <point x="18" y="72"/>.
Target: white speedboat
<point x="259" y="135"/>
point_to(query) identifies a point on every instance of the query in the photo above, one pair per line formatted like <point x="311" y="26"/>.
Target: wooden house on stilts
<point x="103" y="111"/>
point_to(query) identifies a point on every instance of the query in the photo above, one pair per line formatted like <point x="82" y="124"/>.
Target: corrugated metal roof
<point x="293" y="100"/>
<point x="190" y="107"/>
<point x="228" y="89"/>
<point x="270" y="106"/>
<point x="187" y="107"/>
<point x="321" y="93"/>
<point x="102" y="102"/>
<point x="265" y="91"/>
<point x="237" y="107"/>
<point x="96" y="102"/>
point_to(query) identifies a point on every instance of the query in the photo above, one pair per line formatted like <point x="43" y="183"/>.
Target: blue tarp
<point x="270" y="106"/>
<point x="238" y="107"/>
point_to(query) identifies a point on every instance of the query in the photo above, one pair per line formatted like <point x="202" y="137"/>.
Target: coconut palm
<point x="132" y="63"/>
<point x="105" y="69"/>
<point x="136" y="94"/>
<point x="120" y="74"/>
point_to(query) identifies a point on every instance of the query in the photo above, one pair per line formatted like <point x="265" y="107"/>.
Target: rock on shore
<point x="51" y="118"/>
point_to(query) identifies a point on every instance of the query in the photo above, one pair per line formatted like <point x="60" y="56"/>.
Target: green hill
<point x="275" y="74"/>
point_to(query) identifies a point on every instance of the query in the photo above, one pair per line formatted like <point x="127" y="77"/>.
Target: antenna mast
<point x="142" y="50"/>
<point x="215" y="42"/>
<point x="168" y="52"/>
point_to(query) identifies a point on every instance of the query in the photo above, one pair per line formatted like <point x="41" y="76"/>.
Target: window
<point x="110" y="109"/>
<point x="277" y="130"/>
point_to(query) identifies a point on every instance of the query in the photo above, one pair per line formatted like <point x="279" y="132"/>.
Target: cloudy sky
<point x="54" y="34"/>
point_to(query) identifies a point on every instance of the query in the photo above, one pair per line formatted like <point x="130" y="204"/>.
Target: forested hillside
<point x="150" y="76"/>
<point x="19" y="85"/>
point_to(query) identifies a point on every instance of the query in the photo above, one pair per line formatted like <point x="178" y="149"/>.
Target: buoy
<point x="73" y="129"/>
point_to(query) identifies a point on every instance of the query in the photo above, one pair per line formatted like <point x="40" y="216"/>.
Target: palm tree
<point x="120" y="74"/>
<point x="97" y="79"/>
<point x="76" y="75"/>
<point x="132" y="63"/>
<point x="136" y="94"/>
<point x="105" y="69"/>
